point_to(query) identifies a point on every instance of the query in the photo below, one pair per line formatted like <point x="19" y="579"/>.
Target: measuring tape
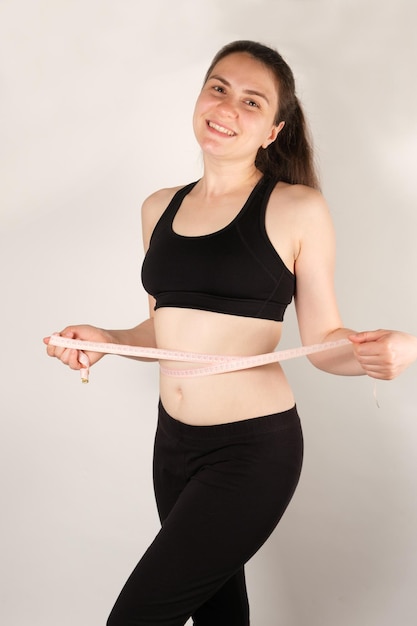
<point x="214" y="363"/>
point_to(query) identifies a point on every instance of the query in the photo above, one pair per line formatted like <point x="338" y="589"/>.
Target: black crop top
<point x="235" y="270"/>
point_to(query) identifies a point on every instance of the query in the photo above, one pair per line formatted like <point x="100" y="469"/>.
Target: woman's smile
<point x="221" y="129"/>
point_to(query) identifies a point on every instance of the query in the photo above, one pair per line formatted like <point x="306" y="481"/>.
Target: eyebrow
<point x="250" y="92"/>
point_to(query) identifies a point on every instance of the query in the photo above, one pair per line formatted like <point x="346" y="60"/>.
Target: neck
<point x="219" y="180"/>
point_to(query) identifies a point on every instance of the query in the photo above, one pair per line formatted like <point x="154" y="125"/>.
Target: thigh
<point x="193" y="556"/>
<point x="182" y="569"/>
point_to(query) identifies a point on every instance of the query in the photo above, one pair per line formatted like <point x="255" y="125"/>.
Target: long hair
<point x="290" y="157"/>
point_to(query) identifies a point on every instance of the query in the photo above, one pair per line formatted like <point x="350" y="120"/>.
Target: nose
<point x="228" y="107"/>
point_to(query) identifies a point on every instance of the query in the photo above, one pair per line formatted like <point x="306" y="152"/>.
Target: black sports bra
<point x="235" y="270"/>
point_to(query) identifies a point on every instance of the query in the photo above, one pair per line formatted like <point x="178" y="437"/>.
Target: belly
<point x="228" y="397"/>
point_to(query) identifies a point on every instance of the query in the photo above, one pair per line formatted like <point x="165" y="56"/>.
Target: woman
<point x="222" y="255"/>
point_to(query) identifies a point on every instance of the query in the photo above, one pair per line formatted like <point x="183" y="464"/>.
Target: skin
<point x="234" y="115"/>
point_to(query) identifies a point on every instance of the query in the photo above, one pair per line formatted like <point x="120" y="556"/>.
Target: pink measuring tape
<point x="213" y="363"/>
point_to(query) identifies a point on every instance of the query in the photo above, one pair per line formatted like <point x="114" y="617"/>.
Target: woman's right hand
<point x="85" y="332"/>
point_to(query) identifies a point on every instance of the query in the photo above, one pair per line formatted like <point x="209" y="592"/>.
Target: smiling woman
<point x="225" y="255"/>
<point x="292" y="156"/>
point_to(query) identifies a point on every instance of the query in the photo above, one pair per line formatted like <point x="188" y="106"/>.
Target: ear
<point x="273" y="134"/>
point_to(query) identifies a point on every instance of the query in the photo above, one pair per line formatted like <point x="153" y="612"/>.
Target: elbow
<point x="319" y="361"/>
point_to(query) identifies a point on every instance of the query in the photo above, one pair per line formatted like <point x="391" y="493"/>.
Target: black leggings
<point x="220" y="492"/>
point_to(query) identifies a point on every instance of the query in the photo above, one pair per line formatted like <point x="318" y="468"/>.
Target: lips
<point x="221" y="129"/>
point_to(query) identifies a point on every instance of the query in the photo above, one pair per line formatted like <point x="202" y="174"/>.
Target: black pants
<point x="220" y="492"/>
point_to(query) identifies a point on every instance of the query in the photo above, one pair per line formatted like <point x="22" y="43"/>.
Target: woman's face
<point x="235" y="112"/>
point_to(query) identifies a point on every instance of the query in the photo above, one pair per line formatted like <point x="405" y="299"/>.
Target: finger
<point x="70" y="357"/>
<point x="367" y="350"/>
<point x="367" y="336"/>
<point x="381" y="374"/>
<point x="50" y="349"/>
<point x="56" y="351"/>
<point x="378" y="366"/>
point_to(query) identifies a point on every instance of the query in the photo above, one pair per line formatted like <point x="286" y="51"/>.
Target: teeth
<point x="221" y="129"/>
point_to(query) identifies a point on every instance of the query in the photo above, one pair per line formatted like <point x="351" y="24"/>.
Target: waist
<point x="223" y="398"/>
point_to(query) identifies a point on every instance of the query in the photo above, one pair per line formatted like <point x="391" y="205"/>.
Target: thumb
<point x="366" y="336"/>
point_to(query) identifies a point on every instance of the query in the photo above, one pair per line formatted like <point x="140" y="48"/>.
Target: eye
<point x="252" y="103"/>
<point x="219" y="88"/>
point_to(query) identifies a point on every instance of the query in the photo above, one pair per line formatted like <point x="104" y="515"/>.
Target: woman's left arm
<point x="380" y="353"/>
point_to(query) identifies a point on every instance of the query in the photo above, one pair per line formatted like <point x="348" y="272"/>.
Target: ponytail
<point x="290" y="157"/>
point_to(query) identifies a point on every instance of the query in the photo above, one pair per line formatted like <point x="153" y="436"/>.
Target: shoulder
<point x="153" y="207"/>
<point x="158" y="201"/>
<point x="301" y="198"/>
<point x="304" y="207"/>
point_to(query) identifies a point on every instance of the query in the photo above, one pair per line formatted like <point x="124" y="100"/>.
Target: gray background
<point x="95" y="109"/>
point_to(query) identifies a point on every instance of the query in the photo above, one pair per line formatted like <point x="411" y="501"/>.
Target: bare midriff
<point x="228" y="397"/>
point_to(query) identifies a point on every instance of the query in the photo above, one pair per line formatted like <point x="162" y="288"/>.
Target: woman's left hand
<point x="384" y="354"/>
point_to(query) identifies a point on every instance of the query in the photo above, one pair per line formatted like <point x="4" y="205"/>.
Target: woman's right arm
<point x="142" y="335"/>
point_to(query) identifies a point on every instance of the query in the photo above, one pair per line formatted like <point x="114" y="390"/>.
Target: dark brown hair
<point x="290" y="157"/>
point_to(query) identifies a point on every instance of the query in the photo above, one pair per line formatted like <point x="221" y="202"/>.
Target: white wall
<point x="95" y="108"/>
